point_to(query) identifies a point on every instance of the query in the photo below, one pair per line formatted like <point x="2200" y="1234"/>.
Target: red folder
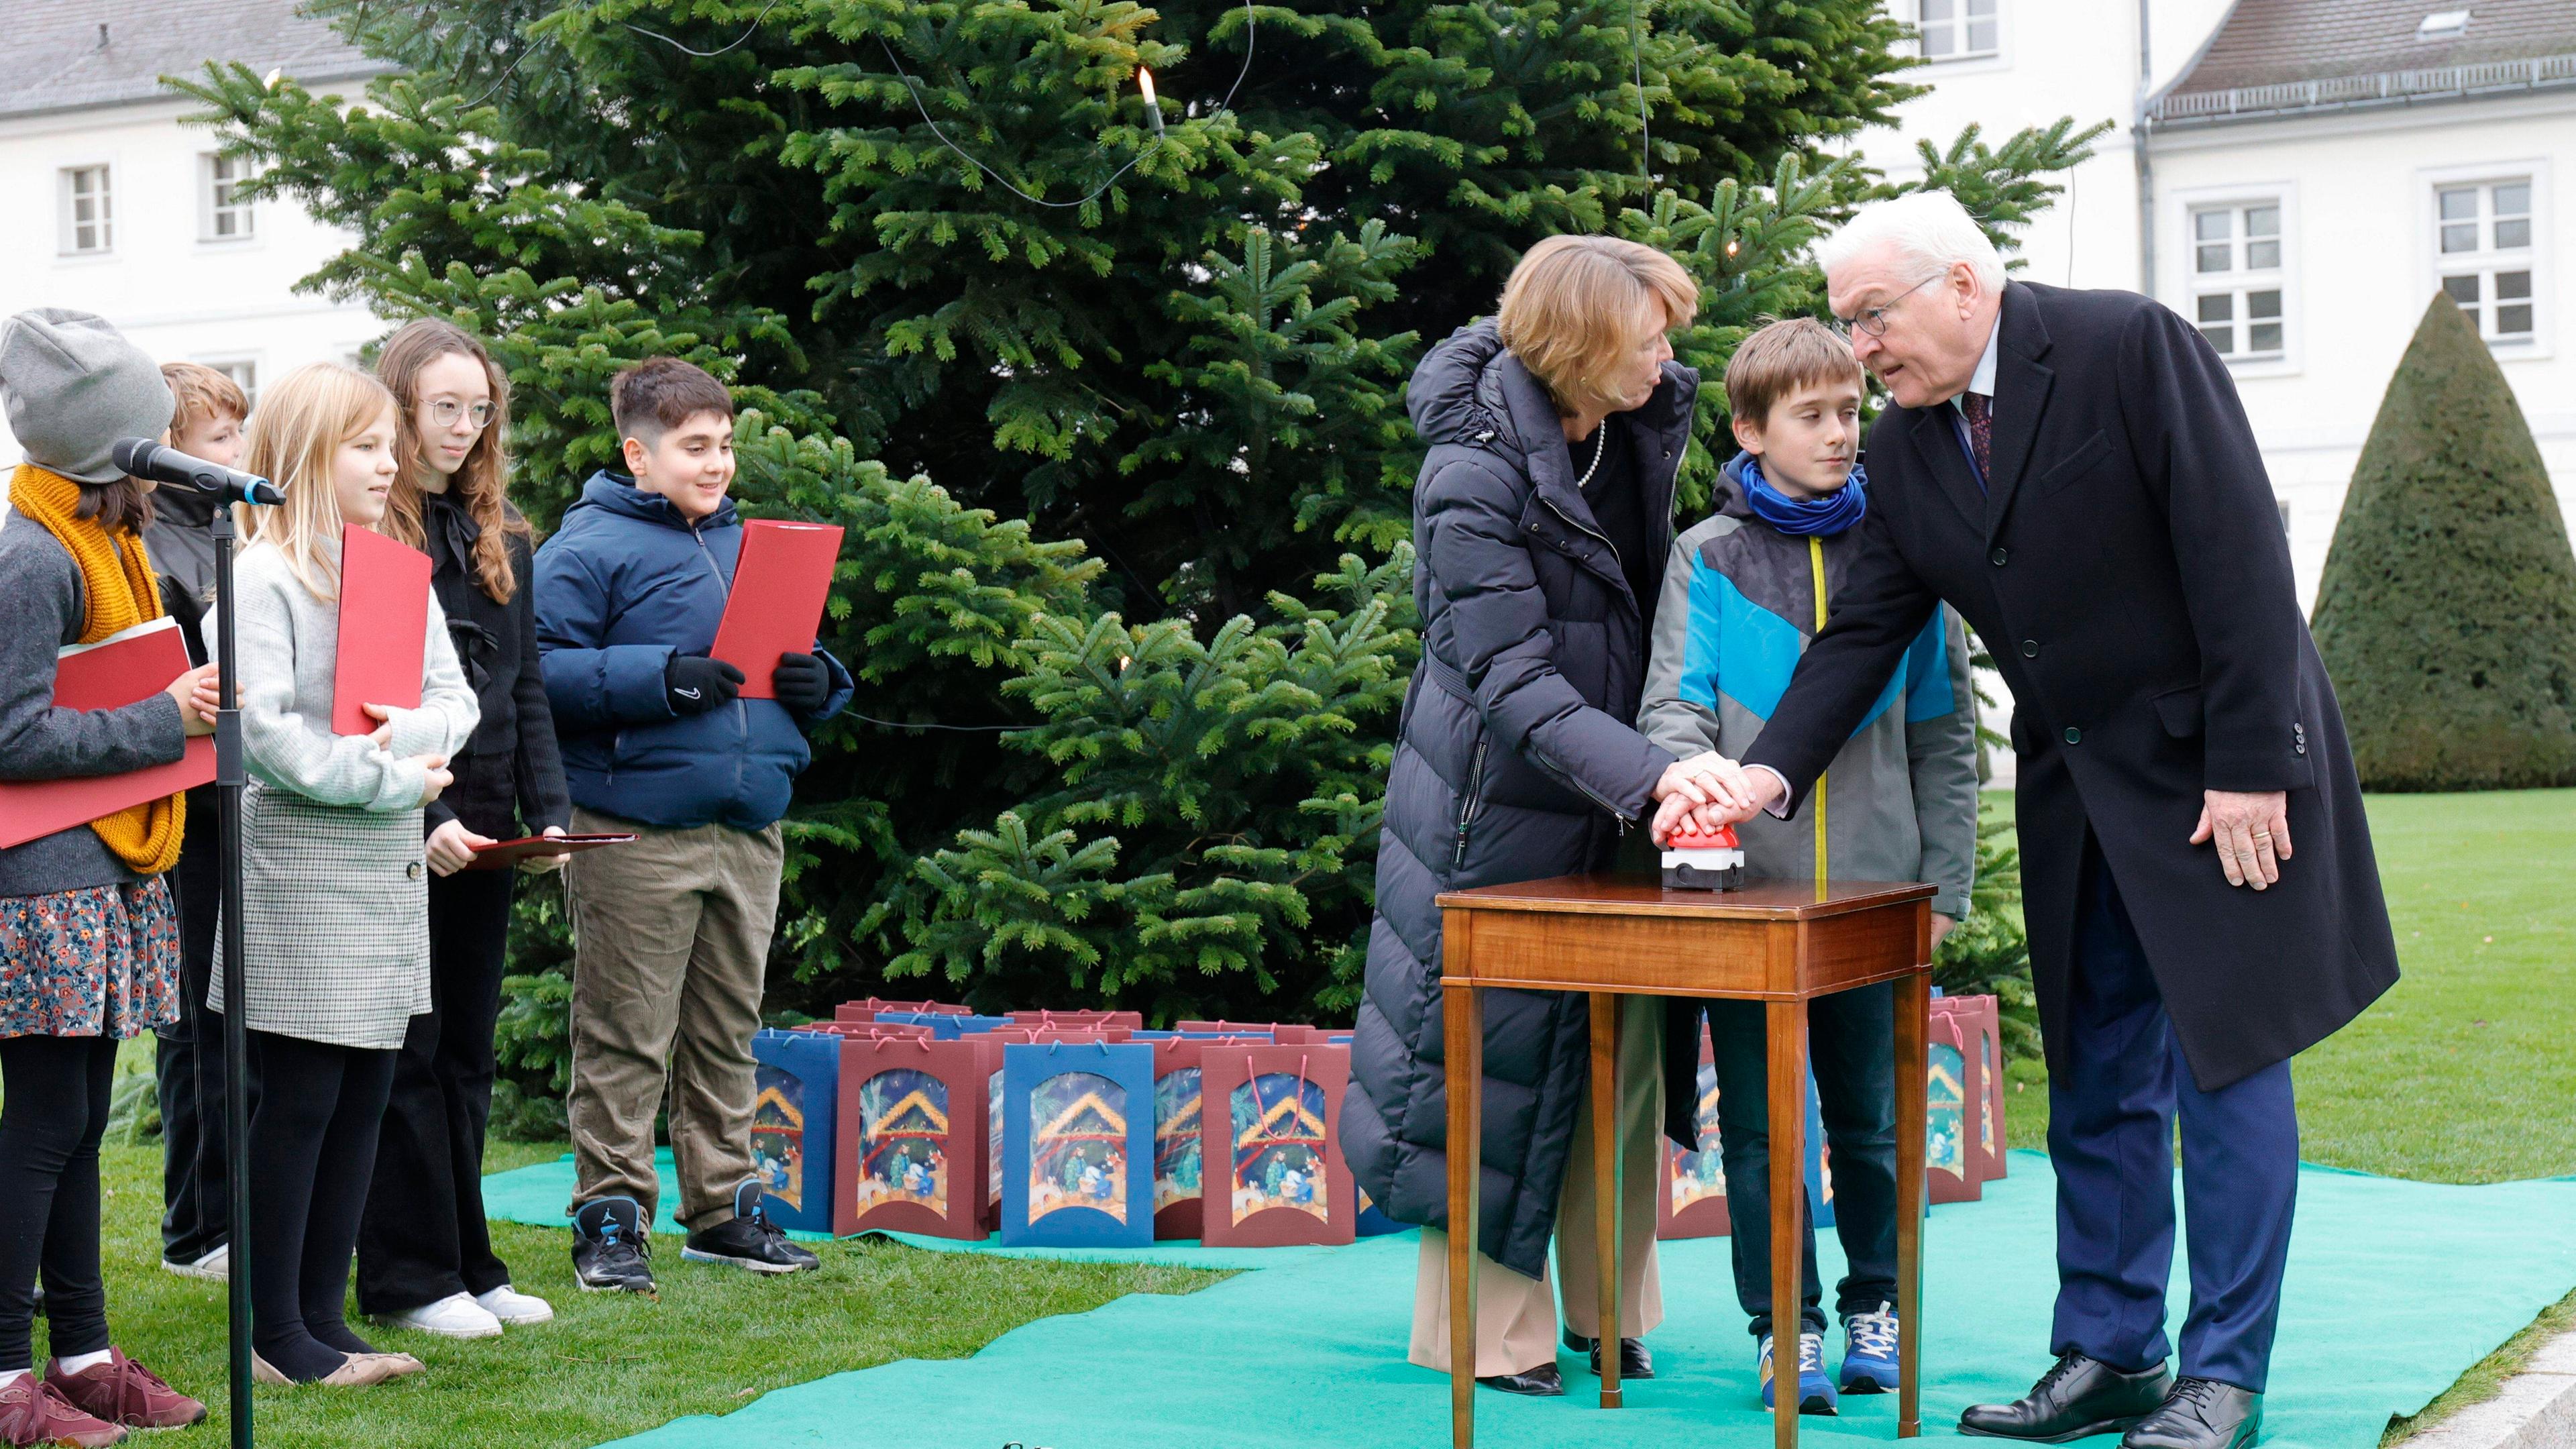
<point x="110" y="674"/>
<point x="502" y="854"/>
<point x="779" y="586"/>
<point x="384" y="628"/>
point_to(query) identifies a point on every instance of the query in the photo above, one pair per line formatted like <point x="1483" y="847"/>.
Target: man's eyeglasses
<point x="1873" y="320"/>
<point x="445" y="412"/>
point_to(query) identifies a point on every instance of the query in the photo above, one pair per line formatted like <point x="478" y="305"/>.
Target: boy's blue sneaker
<point x="1815" y="1391"/>
<point x="1869" y="1351"/>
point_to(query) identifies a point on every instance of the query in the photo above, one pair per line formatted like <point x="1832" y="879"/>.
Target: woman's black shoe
<point x="2077" y="1397"/>
<point x="2200" y="1414"/>
<point x="1543" y="1382"/>
<point x="1634" y="1361"/>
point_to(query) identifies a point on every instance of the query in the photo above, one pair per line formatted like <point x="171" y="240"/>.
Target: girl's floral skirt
<point x="101" y="961"/>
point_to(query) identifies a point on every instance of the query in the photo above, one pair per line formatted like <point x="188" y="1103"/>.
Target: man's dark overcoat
<point x="2126" y="567"/>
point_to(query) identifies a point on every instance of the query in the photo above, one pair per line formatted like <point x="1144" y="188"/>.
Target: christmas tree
<point x="1143" y="641"/>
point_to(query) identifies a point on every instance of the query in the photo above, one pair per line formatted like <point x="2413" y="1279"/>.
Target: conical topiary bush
<point x="2447" y="614"/>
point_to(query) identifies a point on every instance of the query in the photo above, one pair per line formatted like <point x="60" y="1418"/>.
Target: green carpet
<point x="2394" y="1289"/>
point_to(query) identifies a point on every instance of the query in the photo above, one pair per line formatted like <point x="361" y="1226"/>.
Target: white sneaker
<point x="514" y="1308"/>
<point x="454" y="1316"/>
<point x="216" y="1266"/>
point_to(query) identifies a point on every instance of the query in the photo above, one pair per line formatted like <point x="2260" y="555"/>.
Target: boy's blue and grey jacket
<point x="1741" y="602"/>
<point x="623" y="585"/>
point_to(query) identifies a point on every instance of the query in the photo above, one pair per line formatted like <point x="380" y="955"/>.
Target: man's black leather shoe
<point x="1543" y="1382"/>
<point x="2077" y="1397"/>
<point x="1634" y="1361"/>
<point x="2200" y="1414"/>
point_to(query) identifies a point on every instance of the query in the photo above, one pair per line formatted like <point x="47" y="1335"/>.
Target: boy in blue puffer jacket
<point x="671" y="933"/>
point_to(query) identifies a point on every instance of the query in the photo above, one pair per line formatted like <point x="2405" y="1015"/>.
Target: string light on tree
<point x="1153" y="108"/>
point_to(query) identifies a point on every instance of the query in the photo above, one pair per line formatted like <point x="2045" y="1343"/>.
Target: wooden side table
<point x="1777" y="942"/>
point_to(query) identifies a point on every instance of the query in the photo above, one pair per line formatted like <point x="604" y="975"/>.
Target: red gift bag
<point x="1179" y="1146"/>
<point x="1974" y="1025"/>
<point x="867" y="1010"/>
<point x="1264" y="1029"/>
<point x="1269" y="1122"/>
<point x="910" y="1156"/>
<point x="1954" y="1101"/>
<point x="1134" y="1020"/>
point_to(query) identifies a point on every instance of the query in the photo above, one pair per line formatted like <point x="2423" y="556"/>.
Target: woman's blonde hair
<point x="302" y="420"/>
<point x="1576" y="304"/>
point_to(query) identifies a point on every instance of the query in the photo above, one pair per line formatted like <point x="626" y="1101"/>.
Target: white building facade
<point x="128" y="213"/>
<point x="2301" y="178"/>
<point x="2320" y="178"/>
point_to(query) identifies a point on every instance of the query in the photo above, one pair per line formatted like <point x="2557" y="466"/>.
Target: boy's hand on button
<point x="802" y="682"/>
<point x="692" y="684"/>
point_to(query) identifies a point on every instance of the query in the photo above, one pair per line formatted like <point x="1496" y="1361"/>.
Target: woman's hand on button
<point x="1707" y="778"/>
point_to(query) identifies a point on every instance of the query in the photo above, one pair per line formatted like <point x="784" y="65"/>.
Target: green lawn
<point x="2461" y="1074"/>
<point x="610" y="1364"/>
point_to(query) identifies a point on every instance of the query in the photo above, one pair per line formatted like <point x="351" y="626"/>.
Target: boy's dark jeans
<point x="1850" y="1038"/>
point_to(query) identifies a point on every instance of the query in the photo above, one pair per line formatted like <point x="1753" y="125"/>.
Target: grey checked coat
<point x="335" y="895"/>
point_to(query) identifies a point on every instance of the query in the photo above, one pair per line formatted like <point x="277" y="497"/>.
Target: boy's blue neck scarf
<point x="1829" y="515"/>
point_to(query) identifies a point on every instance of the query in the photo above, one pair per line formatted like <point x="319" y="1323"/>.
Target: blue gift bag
<point x="1078" y="1144"/>
<point x="797" y="1087"/>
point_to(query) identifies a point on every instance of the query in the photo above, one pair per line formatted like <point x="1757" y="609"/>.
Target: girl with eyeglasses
<point x="425" y="1257"/>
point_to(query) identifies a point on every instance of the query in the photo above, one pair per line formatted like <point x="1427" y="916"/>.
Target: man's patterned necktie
<point x="1979" y="410"/>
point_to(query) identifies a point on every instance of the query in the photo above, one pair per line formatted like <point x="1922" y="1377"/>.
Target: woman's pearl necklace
<point x="1600" y="445"/>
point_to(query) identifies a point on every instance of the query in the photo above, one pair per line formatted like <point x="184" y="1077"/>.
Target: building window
<point x="2238" y="279"/>
<point x="89" y="222"/>
<point x="1959" y="29"/>
<point x="2482" y="245"/>
<point x="245" y="375"/>
<point x="224" y="214"/>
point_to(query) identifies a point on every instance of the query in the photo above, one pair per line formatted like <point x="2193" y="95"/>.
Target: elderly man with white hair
<point x="2072" y="472"/>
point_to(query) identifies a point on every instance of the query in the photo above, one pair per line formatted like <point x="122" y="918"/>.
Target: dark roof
<point x="2267" y="42"/>
<point x="52" y="59"/>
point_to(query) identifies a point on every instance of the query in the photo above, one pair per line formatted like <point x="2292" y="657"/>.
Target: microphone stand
<point x="231" y="774"/>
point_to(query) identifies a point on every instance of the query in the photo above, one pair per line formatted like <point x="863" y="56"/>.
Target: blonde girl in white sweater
<point x="334" y="918"/>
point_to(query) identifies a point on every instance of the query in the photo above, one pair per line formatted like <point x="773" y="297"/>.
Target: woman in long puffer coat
<point x="1542" y="518"/>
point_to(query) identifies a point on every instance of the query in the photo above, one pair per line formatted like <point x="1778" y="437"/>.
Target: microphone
<point x="144" y="458"/>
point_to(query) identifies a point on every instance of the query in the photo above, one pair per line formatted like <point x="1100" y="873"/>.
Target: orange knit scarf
<point x="119" y="592"/>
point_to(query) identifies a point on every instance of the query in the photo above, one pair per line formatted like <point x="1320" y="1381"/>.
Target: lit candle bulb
<point x="1153" y="108"/>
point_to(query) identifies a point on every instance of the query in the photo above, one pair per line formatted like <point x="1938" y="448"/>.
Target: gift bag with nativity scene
<point x="1078" y="1144"/>
<point x="1272" y="1148"/>
<point x="911" y="1151"/>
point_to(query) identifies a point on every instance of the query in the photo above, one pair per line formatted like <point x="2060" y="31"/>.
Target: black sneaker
<point x="611" y="1253"/>
<point x="748" y="1239"/>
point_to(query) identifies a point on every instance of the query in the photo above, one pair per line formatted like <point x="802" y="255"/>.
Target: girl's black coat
<point x="1516" y="760"/>
<point x="515" y="768"/>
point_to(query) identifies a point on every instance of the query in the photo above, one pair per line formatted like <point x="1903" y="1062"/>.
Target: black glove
<point x="802" y="682"/>
<point x="694" y="684"/>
